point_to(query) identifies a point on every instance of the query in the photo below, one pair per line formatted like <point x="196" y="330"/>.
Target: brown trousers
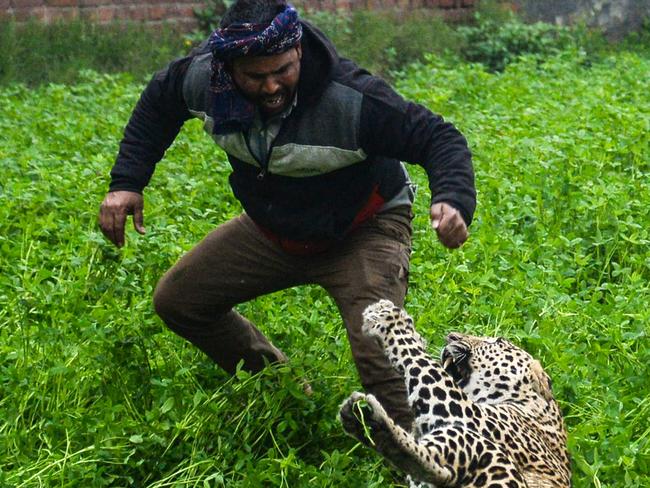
<point x="236" y="263"/>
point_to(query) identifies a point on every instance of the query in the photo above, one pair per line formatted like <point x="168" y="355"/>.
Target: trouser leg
<point x="371" y="265"/>
<point x="233" y="264"/>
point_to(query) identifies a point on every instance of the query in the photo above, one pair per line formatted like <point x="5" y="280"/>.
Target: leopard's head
<point x="493" y="370"/>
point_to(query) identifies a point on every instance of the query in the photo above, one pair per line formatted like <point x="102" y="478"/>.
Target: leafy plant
<point x="497" y="43"/>
<point x="95" y="391"/>
<point x="380" y="41"/>
<point x="210" y="15"/>
<point x="36" y="53"/>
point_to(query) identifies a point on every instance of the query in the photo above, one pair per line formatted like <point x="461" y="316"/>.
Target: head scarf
<point x="231" y="111"/>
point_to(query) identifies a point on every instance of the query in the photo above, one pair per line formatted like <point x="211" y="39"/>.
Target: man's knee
<point x="164" y="301"/>
<point x="184" y="308"/>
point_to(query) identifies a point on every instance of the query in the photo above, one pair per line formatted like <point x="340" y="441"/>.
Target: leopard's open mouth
<point x="455" y="361"/>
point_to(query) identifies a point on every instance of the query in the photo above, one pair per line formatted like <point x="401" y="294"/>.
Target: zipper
<point x="264" y="165"/>
<point x="265" y="168"/>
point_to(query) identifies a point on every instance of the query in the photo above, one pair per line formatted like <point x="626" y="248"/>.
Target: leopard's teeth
<point x="448" y="362"/>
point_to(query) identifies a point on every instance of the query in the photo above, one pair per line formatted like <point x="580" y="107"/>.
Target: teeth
<point x="447" y="362"/>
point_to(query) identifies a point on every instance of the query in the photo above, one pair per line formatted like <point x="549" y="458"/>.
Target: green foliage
<point x="94" y="391"/>
<point x="380" y="41"/>
<point x="35" y="53"/>
<point x="497" y="42"/>
<point x="558" y="255"/>
<point x="210" y="15"/>
<point x="639" y="41"/>
<point x="383" y="42"/>
<point x="386" y="41"/>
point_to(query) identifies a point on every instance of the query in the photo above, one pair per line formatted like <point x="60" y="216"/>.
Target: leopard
<point x="485" y="413"/>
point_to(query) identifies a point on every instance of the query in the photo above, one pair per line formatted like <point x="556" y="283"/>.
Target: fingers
<point x="449" y="225"/>
<point x="111" y="222"/>
<point x="138" y="220"/>
<point x="119" y="219"/>
<point x="113" y="213"/>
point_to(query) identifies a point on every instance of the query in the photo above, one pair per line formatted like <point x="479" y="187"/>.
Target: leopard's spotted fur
<point x="484" y="415"/>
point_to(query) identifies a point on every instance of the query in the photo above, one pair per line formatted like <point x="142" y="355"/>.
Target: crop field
<point x="95" y="391"/>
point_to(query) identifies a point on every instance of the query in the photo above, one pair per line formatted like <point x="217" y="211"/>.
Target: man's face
<point x="268" y="81"/>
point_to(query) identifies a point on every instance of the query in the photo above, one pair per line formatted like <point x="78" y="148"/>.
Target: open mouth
<point x="274" y="103"/>
<point x="454" y="360"/>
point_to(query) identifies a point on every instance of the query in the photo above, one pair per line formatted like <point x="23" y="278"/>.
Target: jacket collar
<point x="319" y="59"/>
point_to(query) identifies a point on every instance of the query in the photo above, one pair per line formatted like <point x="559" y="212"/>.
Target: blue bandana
<point x="231" y="111"/>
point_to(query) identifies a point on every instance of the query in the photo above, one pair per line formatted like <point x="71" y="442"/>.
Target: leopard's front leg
<point x="365" y="419"/>
<point x="472" y="459"/>
<point x="432" y="394"/>
<point x="449" y="455"/>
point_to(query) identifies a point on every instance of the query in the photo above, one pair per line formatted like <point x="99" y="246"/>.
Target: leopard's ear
<point x="541" y="382"/>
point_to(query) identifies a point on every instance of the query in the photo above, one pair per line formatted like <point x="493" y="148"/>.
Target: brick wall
<point x="102" y="11"/>
<point x="154" y="12"/>
<point x="449" y="8"/>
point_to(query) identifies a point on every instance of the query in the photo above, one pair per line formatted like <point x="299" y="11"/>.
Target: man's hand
<point x="113" y="211"/>
<point x="449" y="225"/>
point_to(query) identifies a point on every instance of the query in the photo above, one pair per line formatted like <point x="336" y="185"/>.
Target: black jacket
<point x="345" y="137"/>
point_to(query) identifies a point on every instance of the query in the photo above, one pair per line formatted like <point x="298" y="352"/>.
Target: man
<point x="315" y="145"/>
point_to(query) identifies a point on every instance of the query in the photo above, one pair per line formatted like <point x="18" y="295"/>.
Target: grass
<point x="384" y="42"/>
<point x="94" y="391"/>
<point x="35" y="53"/>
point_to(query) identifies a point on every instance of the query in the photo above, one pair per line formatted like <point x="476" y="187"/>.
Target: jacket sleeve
<point x="154" y="124"/>
<point x="393" y="127"/>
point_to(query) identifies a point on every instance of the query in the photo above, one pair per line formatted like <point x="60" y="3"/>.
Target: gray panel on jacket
<point x="333" y="121"/>
<point x="196" y="83"/>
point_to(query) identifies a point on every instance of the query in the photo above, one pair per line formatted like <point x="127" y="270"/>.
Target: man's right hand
<point x="113" y="211"/>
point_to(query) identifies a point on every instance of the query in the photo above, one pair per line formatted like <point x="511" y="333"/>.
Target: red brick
<point x="59" y="14"/>
<point x="182" y="11"/>
<point x="104" y="14"/>
<point x="157" y="12"/>
<point x="130" y="13"/>
<point x="23" y="4"/>
<point x="24" y="14"/>
<point x="118" y="12"/>
<point x="138" y="13"/>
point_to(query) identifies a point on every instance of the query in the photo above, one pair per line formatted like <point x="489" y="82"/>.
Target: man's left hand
<point x="449" y="225"/>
